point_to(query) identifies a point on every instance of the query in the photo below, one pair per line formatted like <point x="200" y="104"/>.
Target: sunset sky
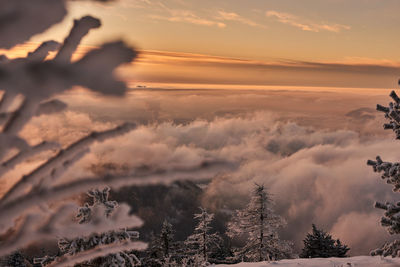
<point x="336" y="43"/>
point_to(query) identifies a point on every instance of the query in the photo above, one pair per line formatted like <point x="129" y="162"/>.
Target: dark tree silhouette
<point x="320" y="244"/>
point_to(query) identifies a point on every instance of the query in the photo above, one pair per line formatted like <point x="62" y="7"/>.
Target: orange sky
<point x="332" y="43"/>
<point x="161" y="67"/>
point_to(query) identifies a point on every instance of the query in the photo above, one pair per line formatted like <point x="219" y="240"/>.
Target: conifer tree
<point x="391" y="173"/>
<point x="259" y="225"/>
<point x="16" y="260"/>
<point x="320" y="244"/>
<point x="162" y="247"/>
<point x="167" y="237"/>
<point x="202" y="242"/>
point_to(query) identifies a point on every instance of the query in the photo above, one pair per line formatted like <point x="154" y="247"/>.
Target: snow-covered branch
<point x="25" y="154"/>
<point x="20" y="205"/>
<point x="392" y="113"/>
<point x="391" y="173"/>
<point x="62" y="158"/>
<point x="58" y="223"/>
<point x="100" y="251"/>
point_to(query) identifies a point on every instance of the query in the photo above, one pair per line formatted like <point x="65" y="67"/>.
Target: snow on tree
<point x="193" y="261"/>
<point x="320" y="244"/>
<point x="166" y="239"/>
<point x="169" y="262"/>
<point x="203" y="242"/>
<point x="16" y="260"/>
<point x="162" y="247"/>
<point x="74" y="246"/>
<point x="391" y="173"/>
<point x="259" y="225"/>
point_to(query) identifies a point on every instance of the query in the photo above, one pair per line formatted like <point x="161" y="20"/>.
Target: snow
<point x="359" y="261"/>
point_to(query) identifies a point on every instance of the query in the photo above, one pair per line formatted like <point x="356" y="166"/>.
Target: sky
<point x="337" y="43"/>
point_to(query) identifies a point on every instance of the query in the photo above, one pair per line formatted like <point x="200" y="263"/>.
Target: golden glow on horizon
<point x="164" y="67"/>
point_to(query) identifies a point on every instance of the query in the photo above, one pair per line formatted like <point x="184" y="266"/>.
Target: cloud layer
<point x="315" y="176"/>
<point x="312" y="158"/>
<point x="175" y="67"/>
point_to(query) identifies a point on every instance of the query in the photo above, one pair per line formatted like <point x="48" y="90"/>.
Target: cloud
<point x="174" y="67"/>
<point x="64" y="127"/>
<point x="315" y="175"/>
<point x="356" y="237"/>
<point x="232" y="16"/>
<point x="188" y="16"/>
<point x="160" y="11"/>
<point x="136" y="3"/>
<point x="290" y="19"/>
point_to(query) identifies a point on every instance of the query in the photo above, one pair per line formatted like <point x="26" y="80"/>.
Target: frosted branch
<point x="25" y="154"/>
<point x="15" y="207"/>
<point x="390" y="171"/>
<point x="59" y="224"/>
<point x="50" y="107"/>
<point x="20" y="117"/>
<point x="391" y="218"/>
<point x="61" y="159"/>
<point x="99" y="251"/>
<point x="43" y="50"/>
<point x="99" y="76"/>
<point x="19" y="19"/>
<point x="392" y="113"/>
<point x="388" y="249"/>
<point x="79" y="30"/>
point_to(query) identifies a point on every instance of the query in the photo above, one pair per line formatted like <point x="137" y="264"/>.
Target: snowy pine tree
<point x="320" y="244"/>
<point x="202" y="242"/>
<point x="259" y="225"/>
<point x="78" y="245"/>
<point x="162" y="247"/>
<point x="390" y="173"/>
<point x="166" y="238"/>
<point x="16" y="260"/>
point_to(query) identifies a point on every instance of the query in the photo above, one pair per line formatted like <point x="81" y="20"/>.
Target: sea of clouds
<point x="313" y="163"/>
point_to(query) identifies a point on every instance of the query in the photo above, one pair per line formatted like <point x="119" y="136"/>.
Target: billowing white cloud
<point x="315" y="176"/>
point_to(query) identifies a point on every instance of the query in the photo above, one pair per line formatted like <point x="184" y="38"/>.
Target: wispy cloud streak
<point x="188" y="17"/>
<point x="292" y="20"/>
<point x="232" y="16"/>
